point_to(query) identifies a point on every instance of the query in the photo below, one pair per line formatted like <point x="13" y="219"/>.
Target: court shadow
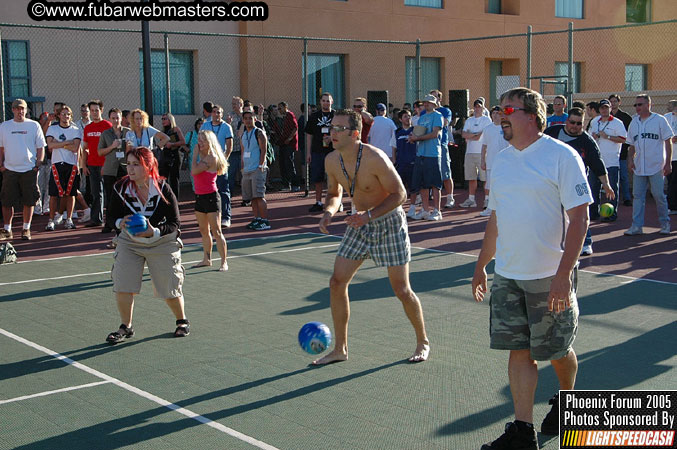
<point x="135" y="429"/>
<point x="46" y="363"/>
<point x="426" y="281"/>
<point x="57" y="290"/>
<point x="630" y="363"/>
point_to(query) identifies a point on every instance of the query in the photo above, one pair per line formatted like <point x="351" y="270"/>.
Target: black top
<point x="584" y="144"/>
<point x="626" y="119"/>
<point x="161" y="214"/>
<point x="317" y="122"/>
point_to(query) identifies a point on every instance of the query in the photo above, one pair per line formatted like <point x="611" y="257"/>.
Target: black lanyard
<point x="357" y="167"/>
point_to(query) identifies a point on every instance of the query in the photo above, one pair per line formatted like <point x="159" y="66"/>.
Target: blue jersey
<point x="430" y="147"/>
<point x="446" y="114"/>
<point x="222" y="131"/>
<point x="406" y="151"/>
<point x="556" y="120"/>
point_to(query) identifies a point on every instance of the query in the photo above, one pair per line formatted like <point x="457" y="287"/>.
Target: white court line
<point x="184" y="262"/>
<point x="56" y="391"/>
<point x="147" y="395"/>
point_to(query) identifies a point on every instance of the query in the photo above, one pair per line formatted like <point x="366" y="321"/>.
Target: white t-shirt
<point x="145" y="139"/>
<point x="648" y="137"/>
<point x="475" y="125"/>
<point x="21" y="141"/>
<point x="61" y="134"/>
<point x="610" y="150"/>
<point x="672" y="120"/>
<point x="381" y="133"/>
<point x="492" y="137"/>
<point x="531" y="190"/>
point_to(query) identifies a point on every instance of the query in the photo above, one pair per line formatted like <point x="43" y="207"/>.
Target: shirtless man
<point x="377" y="193"/>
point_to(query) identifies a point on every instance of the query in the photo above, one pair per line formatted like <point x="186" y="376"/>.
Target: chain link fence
<point x="46" y="64"/>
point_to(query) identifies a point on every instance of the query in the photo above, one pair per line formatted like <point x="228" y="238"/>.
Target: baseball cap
<point x="604" y="102"/>
<point x="380" y="107"/>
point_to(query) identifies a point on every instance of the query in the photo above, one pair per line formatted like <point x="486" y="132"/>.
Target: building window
<point x="635" y="77"/>
<point x="424" y="3"/>
<point x="430" y="77"/>
<point x="326" y="73"/>
<point x="494" y="7"/>
<point x="180" y="79"/>
<point x="638" y="11"/>
<point x="562" y="68"/>
<point x="495" y="70"/>
<point x="17" y="69"/>
<point x="572" y="9"/>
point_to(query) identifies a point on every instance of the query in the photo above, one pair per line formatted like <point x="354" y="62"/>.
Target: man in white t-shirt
<point x="671" y="117"/>
<point x="64" y="141"/>
<point x="472" y="131"/>
<point x="21" y="154"/>
<point x="649" y="159"/>
<point x="492" y="141"/>
<point x="382" y="131"/>
<point x="610" y="134"/>
<point x="539" y="200"/>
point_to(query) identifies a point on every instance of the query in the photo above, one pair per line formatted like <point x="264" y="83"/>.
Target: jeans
<point x="234" y="165"/>
<point x="588" y="238"/>
<point x="639" y="186"/>
<point x="596" y="187"/>
<point x="672" y="188"/>
<point x="624" y="180"/>
<point x="224" y="192"/>
<point x="287" y="169"/>
<point x="96" y="185"/>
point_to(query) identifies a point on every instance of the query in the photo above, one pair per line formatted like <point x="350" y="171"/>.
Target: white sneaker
<point x="421" y="215"/>
<point x="665" y="229"/>
<point x="86" y="215"/>
<point x="50" y="226"/>
<point x="69" y="224"/>
<point x="75" y="215"/>
<point x="486" y="202"/>
<point x="412" y="212"/>
<point x="418" y="199"/>
<point x="58" y="219"/>
<point x="469" y="203"/>
<point x="37" y="211"/>
<point x="672" y="212"/>
<point x="633" y="231"/>
<point x="486" y="212"/>
<point x="225" y="223"/>
<point x="587" y="250"/>
<point x="435" y="215"/>
<point x="45" y="211"/>
<point x="450" y="202"/>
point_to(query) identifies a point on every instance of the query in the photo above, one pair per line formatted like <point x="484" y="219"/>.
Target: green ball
<point x="606" y="210"/>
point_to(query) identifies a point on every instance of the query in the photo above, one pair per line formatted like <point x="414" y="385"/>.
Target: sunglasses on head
<point x="508" y="110"/>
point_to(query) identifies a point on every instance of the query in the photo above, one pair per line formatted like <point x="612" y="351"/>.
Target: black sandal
<point x="182" y="328"/>
<point x="123" y="333"/>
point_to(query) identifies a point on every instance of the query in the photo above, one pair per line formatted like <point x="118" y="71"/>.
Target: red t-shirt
<point x="91" y="136"/>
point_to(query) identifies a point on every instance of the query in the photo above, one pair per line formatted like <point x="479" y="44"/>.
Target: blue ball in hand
<point x="137" y="224"/>
<point x="314" y="337"/>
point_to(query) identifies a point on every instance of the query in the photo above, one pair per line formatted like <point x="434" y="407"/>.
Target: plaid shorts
<point x="384" y="239"/>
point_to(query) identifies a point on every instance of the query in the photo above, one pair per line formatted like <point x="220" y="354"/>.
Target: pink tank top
<point x="205" y="182"/>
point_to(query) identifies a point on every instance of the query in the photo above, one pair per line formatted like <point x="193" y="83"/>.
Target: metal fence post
<point x="418" y="68"/>
<point x="570" y="88"/>
<point x="147" y="76"/>
<point x="2" y="84"/>
<point x="169" y="95"/>
<point x="529" y="37"/>
<point x="306" y="111"/>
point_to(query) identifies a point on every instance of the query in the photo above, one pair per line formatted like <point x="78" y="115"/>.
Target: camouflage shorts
<point x="520" y="318"/>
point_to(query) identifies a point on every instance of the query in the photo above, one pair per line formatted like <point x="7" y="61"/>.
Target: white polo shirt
<point x="61" y="134"/>
<point x="475" y="125"/>
<point x="21" y="141"/>
<point x="531" y="190"/>
<point x="381" y="134"/>
<point x="610" y="150"/>
<point x="648" y="137"/>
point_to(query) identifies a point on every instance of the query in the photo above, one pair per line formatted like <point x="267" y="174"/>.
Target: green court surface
<point x="240" y="379"/>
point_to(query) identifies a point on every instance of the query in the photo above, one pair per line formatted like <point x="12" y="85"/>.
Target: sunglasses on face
<point x="339" y="128"/>
<point x="574" y="122"/>
<point x="637" y="105"/>
<point x="508" y="110"/>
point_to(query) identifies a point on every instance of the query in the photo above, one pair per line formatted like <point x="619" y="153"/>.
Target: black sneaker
<point x="261" y="225"/>
<point x="252" y="224"/>
<point x="627" y="203"/>
<point x="516" y="437"/>
<point x="317" y="207"/>
<point x="550" y="424"/>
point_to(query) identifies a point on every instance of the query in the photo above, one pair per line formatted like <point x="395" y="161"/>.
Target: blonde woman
<point x="142" y="134"/>
<point x="209" y="162"/>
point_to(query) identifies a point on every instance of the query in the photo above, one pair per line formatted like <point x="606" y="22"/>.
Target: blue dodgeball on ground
<point x="314" y="337"/>
<point x="137" y="224"/>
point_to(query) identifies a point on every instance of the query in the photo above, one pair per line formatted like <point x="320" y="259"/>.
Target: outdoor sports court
<point x="240" y="380"/>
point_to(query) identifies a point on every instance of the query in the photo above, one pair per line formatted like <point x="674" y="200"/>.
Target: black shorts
<point x="68" y="178"/>
<point x="208" y="203"/>
<point x="317" y="174"/>
<point x="19" y="188"/>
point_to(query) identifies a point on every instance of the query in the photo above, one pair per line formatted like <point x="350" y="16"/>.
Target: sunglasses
<point x="574" y="123"/>
<point x="339" y="128"/>
<point x="637" y="105"/>
<point x="508" y="110"/>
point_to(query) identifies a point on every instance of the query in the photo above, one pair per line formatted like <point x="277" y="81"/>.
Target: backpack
<point x="270" y="151"/>
<point x="7" y="253"/>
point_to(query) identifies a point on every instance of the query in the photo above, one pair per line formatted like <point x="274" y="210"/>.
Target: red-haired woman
<point x="143" y="192"/>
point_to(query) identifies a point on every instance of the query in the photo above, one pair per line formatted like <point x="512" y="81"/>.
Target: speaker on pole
<point x="458" y="102"/>
<point x="374" y="98"/>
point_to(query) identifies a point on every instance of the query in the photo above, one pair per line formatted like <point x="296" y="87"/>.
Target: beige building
<point x="76" y="65"/>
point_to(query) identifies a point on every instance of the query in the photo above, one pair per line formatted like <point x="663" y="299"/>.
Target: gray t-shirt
<point x="116" y="157"/>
